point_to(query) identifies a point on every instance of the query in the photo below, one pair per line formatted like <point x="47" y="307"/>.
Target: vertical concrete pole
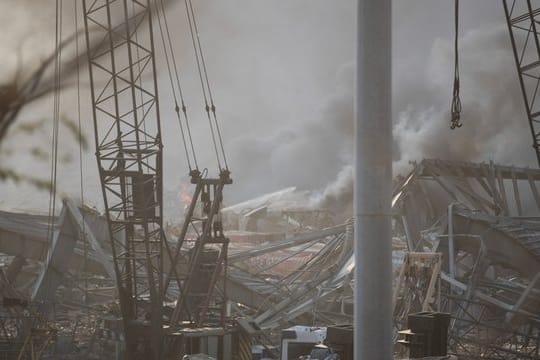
<point x="451" y="248"/>
<point x="373" y="183"/>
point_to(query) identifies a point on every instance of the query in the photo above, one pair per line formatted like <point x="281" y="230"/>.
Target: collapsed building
<point x="466" y="242"/>
<point x="483" y="219"/>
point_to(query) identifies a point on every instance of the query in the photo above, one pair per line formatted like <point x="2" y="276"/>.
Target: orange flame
<point x="185" y="198"/>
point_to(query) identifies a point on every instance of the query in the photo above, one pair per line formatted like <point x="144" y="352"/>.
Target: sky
<point x="282" y="76"/>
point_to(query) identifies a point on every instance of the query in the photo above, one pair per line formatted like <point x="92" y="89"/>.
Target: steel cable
<point x="139" y="77"/>
<point x="80" y="135"/>
<point x="212" y="106"/>
<point x="56" y="120"/>
<point x="54" y="141"/>
<point x="177" y="76"/>
<point x="455" y="110"/>
<point x="197" y="49"/>
<point x="160" y="11"/>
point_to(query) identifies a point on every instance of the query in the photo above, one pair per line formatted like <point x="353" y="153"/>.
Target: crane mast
<point x="522" y="18"/>
<point x="129" y="156"/>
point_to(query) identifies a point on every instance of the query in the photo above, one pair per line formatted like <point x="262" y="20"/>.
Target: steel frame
<point x="129" y="155"/>
<point x="208" y="194"/>
<point x="477" y="332"/>
<point x="496" y="233"/>
<point x="24" y="333"/>
<point x="418" y="286"/>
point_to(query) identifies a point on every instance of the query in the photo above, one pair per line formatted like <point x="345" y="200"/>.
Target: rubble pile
<point x="466" y="242"/>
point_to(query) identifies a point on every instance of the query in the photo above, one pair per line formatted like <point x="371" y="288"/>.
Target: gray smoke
<point x="306" y="154"/>
<point x="338" y="195"/>
<point x="282" y="76"/>
<point x="495" y="125"/>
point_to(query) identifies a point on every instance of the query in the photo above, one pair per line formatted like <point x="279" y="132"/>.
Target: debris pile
<point x="481" y="223"/>
<point x="466" y="242"/>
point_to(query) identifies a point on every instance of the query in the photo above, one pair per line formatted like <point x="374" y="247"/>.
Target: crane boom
<point x="129" y="156"/>
<point x="522" y="18"/>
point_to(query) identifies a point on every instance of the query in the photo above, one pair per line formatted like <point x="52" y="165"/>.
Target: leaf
<point x="39" y="153"/>
<point x="10" y="174"/>
<point x="40" y="183"/>
<point x="30" y="127"/>
<point x="74" y="129"/>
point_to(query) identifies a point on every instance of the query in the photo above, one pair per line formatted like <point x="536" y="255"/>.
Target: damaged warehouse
<point x="492" y="295"/>
<point x="442" y="263"/>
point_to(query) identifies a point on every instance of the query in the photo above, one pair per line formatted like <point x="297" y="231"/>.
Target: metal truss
<point x="129" y="154"/>
<point x="313" y="292"/>
<point x="193" y="274"/>
<point x="24" y="333"/>
<point x="478" y="332"/>
<point x="489" y="213"/>
<point x="418" y="286"/>
<point x="483" y="218"/>
<point x="522" y="17"/>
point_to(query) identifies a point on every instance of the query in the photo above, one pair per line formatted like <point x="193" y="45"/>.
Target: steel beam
<point x="62" y="244"/>
<point x="287" y="243"/>
<point x="103" y="257"/>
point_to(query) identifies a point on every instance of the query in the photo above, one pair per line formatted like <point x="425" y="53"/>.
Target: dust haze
<point x="283" y="79"/>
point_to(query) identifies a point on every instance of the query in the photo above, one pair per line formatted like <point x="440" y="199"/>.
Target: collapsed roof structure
<point x="466" y="241"/>
<point x="473" y="237"/>
<point x="484" y="220"/>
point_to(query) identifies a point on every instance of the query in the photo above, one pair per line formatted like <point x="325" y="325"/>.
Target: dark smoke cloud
<point x="308" y="153"/>
<point x="269" y="64"/>
<point x="495" y="125"/>
<point x="273" y="70"/>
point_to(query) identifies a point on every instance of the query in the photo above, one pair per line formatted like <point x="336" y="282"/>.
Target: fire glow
<point x="185" y="198"/>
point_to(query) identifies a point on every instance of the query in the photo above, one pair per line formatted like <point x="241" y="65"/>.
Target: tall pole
<point x="373" y="183"/>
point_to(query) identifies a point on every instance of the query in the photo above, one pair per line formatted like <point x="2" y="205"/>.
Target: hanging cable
<point x="456" y="101"/>
<point x="177" y="77"/>
<point x="139" y="79"/>
<point x="80" y="135"/>
<point x="56" y="121"/>
<point x="196" y="48"/>
<point x="170" y="61"/>
<point x="51" y="220"/>
<point x="212" y="106"/>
